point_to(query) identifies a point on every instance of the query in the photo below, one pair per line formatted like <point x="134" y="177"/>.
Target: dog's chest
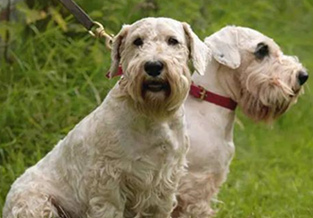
<point x="150" y="155"/>
<point x="154" y="141"/>
<point x="210" y="129"/>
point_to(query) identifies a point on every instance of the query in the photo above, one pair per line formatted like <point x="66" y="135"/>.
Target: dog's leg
<point x="161" y="208"/>
<point x="167" y="208"/>
<point x="195" y="194"/>
<point x="162" y="215"/>
<point x="108" y="203"/>
<point x="32" y="205"/>
<point x="99" y="208"/>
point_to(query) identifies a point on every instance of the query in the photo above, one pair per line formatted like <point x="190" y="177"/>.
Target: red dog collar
<point x="119" y="73"/>
<point x="201" y="93"/>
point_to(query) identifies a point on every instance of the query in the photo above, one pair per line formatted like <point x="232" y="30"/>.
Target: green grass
<point x="57" y="78"/>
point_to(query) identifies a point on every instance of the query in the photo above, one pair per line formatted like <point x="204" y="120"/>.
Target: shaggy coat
<point x="125" y="158"/>
<point x="249" y="68"/>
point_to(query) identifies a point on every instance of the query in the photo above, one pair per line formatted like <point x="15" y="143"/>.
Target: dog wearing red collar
<point x="246" y="68"/>
<point x="125" y="158"/>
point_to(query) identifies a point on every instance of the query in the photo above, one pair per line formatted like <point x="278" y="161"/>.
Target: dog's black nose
<point x="153" y="68"/>
<point x="302" y="77"/>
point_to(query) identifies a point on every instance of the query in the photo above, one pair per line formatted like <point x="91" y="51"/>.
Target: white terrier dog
<point x="125" y="158"/>
<point x="247" y="68"/>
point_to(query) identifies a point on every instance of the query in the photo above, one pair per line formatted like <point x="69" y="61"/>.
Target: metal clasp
<point x="100" y="33"/>
<point x="202" y="93"/>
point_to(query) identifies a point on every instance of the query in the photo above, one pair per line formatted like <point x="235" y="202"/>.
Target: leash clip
<point x="99" y="32"/>
<point x="88" y="23"/>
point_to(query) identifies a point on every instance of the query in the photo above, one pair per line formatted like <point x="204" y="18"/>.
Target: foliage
<point x="57" y="77"/>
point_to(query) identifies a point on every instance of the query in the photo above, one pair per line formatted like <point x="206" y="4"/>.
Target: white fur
<point x="126" y="157"/>
<point x="264" y="89"/>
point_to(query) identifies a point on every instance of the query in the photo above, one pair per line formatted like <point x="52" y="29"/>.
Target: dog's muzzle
<point x="153" y="68"/>
<point x="156" y="85"/>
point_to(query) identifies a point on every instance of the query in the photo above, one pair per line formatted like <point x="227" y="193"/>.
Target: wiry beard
<point x="254" y="108"/>
<point x="161" y="104"/>
<point x="266" y="97"/>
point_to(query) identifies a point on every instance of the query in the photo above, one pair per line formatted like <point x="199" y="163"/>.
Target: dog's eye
<point x="138" y="42"/>
<point x="261" y="50"/>
<point x="172" y="41"/>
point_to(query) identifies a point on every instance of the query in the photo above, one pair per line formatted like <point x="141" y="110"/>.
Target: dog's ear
<point x="224" y="47"/>
<point x="116" y="50"/>
<point x="199" y="52"/>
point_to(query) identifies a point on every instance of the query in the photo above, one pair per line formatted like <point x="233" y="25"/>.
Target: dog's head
<point x="265" y="81"/>
<point x="154" y="55"/>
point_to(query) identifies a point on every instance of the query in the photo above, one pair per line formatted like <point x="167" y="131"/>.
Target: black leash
<point x="78" y="13"/>
<point x="87" y="22"/>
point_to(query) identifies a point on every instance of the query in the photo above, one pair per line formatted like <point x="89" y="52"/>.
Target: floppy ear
<point x="116" y="50"/>
<point x="224" y="46"/>
<point x="199" y="52"/>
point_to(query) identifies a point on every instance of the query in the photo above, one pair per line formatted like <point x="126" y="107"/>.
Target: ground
<point x="57" y="76"/>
